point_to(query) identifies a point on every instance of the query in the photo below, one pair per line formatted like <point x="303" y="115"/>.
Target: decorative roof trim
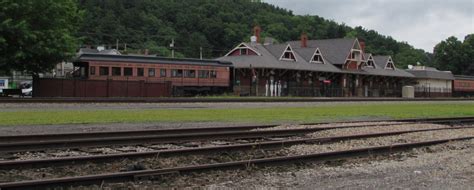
<point x="316" y="53"/>
<point x="291" y="51"/>
<point x="390" y="61"/>
<point x="370" y="58"/>
<point x="241" y="46"/>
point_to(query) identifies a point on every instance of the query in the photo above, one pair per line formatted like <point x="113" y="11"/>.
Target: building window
<point x="176" y="73"/>
<point x="317" y="57"/>
<point x="243" y="51"/>
<point x="128" y="71"/>
<point x="92" y="72"/>
<point x="370" y="63"/>
<point x="189" y="73"/>
<point x="140" y="72"/>
<point x="116" y="71"/>
<point x="203" y="74"/>
<point x="103" y="71"/>
<point x="288" y="54"/>
<point x="213" y="74"/>
<point x="162" y="72"/>
<point x="151" y="72"/>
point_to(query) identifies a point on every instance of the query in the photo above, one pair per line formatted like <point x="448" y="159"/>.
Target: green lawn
<point x="255" y="115"/>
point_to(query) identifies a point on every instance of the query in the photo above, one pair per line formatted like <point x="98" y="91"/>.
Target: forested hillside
<point x="216" y="26"/>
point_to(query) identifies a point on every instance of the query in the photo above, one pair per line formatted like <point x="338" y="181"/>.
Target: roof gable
<point x="317" y="57"/>
<point x="242" y="46"/>
<point x="335" y="51"/>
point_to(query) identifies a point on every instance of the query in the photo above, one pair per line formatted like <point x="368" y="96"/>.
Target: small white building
<point x="431" y="82"/>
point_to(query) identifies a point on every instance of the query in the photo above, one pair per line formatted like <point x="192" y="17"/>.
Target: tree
<point x="453" y="55"/>
<point x="36" y="35"/>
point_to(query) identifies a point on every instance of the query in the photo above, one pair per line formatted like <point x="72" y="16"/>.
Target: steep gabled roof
<point x="381" y="60"/>
<point x="334" y="50"/>
<point x="380" y="63"/>
<point x="367" y="57"/>
<point x="243" y="45"/>
<point x="271" y="59"/>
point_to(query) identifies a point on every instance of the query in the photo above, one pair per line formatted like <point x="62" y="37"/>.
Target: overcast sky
<point x="421" y="23"/>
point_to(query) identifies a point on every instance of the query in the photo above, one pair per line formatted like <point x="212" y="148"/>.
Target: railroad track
<point x="212" y="100"/>
<point x="267" y="145"/>
<point x="144" y="174"/>
<point x="205" y="150"/>
<point x="74" y="140"/>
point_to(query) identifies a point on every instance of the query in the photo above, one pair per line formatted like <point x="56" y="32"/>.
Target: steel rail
<point x="129" y="133"/>
<point x="172" y="138"/>
<point x="134" y="175"/>
<point x="156" y="139"/>
<point x="204" y="150"/>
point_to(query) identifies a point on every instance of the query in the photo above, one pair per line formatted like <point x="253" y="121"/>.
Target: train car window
<point x="189" y="73"/>
<point x="176" y="73"/>
<point x="203" y="74"/>
<point x="128" y="71"/>
<point x="151" y="72"/>
<point x="103" y="71"/>
<point x="116" y="71"/>
<point x="92" y="70"/>
<point x="213" y="74"/>
<point x="140" y="72"/>
<point x="162" y="72"/>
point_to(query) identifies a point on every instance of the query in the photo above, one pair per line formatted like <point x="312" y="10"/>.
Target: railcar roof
<point x="150" y="60"/>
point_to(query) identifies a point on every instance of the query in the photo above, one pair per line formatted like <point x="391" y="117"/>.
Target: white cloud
<point x="422" y="23"/>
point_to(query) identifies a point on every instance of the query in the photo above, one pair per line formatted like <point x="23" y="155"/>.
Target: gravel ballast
<point x="156" y="163"/>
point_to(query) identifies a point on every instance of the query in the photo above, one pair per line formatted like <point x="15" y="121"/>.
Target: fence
<point x="323" y="91"/>
<point x="421" y="91"/>
<point x="59" y="87"/>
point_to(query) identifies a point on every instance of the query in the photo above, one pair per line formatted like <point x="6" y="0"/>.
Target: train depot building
<point x="317" y="68"/>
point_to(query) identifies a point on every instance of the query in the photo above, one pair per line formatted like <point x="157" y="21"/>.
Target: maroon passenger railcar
<point x="187" y="76"/>
<point x="463" y="86"/>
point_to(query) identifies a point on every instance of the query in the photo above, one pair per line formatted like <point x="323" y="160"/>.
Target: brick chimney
<point x="256" y="32"/>
<point x="146" y="52"/>
<point x="362" y="45"/>
<point x="304" y="40"/>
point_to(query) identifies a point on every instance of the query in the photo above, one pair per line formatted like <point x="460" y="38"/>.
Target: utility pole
<point x="200" y="52"/>
<point x="172" y="48"/>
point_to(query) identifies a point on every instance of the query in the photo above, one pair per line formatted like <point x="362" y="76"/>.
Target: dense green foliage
<point x="456" y="56"/>
<point x="337" y="112"/>
<point x="217" y="26"/>
<point x="36" y="35"/>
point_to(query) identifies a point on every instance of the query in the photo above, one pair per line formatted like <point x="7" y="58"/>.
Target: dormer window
<point x="390" y="64"/>
<point x="288" y="54"/>
<point x="370" y="62"/>
<point x="317" y="57"/>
